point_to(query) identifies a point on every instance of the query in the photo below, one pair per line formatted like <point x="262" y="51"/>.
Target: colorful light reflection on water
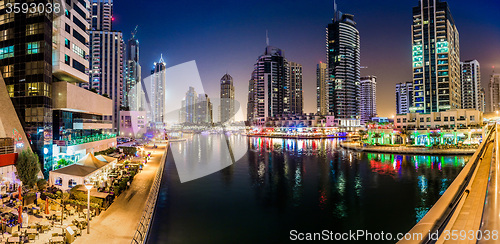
<point x="307" y="185"/>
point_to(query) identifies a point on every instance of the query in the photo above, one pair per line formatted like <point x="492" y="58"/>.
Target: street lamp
<point x="88" y="186"/>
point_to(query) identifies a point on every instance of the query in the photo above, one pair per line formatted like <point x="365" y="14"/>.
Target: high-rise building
<point x="470" y="77"/>
<point x="26" y="66"/>
<point x="227" y="109"/>
<point x="50" y="59"/>
<point x="158" y="91"/>
<point x="133" y="89"/>
<point x="404" y="97"/>
<point x="321" y="88"/>
<point x="482" y="100"/>
<point x="204" y="110"/>
<point x="435" y="58"/>
<point x="188" y="110"/>
<point x="101" y="17"/>
<point x="295" y="83"/>
<point x="494" y="87"/>
<point x="343" y="60"/>
<point x="252" y="100"/>
<point x="269" y="91"/>
<point x="368" y="98"/>
<point x="106" y="48"/>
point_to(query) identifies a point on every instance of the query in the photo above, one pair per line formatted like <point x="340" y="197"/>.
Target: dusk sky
<point x="230" y="35"/>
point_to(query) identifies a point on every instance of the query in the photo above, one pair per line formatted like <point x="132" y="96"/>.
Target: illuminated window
<point x="6" y="34"/>
<point x="58" y="181"/>
<point x="66" y="59"/>
<point x="6" y="18"/>
<point x="66" y="42"/>
<point x="32" y="89"/>
<point x="10" y="90"/>
<point x="8" y="71"/>
<point x="33" y="48"/>
<point x="71" y="183"/>
<point x="7" y="52"/>
<point x="33" y="29"/>
<point x="78" y="51"/>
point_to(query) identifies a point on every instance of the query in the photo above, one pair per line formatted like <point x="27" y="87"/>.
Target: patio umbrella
<point x="46" y="206"/>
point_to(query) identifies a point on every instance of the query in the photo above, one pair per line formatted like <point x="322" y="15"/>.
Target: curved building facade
<point x="343" y="66"/>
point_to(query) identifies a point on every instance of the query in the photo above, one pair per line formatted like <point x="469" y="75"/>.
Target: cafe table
<point x="57" y="239"/>
<point x="13" y="239"/>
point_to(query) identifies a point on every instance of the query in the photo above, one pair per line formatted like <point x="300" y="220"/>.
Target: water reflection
<point x="344" y="178"/>
<point x="307" y="185"/>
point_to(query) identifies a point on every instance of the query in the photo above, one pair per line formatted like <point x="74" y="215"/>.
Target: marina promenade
<point x="119" y="222"/>
<point x="407" y="150"/>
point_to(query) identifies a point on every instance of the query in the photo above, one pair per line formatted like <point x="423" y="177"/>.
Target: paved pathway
<point x="118" y="223"/>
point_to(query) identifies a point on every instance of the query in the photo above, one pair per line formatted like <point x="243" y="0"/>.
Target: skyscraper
<point x="482" y="100"/>
<point x="227" y="111"/>
<point x="106" y="52"/>
<point x="50" y="59"/>
<point x="269" y="91"/>
<point x="343" y="66"/>
<point x="368" y="98"/>
<point x="494" y="87"/>
<point x="133" y="89"/>
<point x="26" y="66"/>
<point x="295" y="77"/>
<point x="204" y="110"/>
<point x="404" y="97"/>
<point x="188" y="110"/>
<point x="470" y="77"/>
<point x="321" y="91"/>
<point x="435" y="58"/>
<point x="157" y="96"/>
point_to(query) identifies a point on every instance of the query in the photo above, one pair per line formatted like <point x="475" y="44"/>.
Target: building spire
<point x="267" y="39"/>
<point x="161" y="58"/>
<point x="334" y="10"/>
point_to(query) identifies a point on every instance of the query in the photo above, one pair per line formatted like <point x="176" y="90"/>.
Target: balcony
<point x="6" y="145"/>
<point x="83" y="140"/>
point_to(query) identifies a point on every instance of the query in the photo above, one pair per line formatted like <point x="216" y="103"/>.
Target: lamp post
<point x="88" y="186"/>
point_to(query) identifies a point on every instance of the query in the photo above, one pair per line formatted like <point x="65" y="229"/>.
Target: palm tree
<point x="434" y="135"/>
<point x="404" y="135"/>
<point x="362" y="134"/>
<point x="377" y="136"/>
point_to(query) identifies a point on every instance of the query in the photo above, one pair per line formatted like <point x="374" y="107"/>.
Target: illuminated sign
<point x="17" y="138"/>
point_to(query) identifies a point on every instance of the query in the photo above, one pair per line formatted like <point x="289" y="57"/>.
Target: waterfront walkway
<point x="468" y="211"/>
<point x="406" y="150"/>
<point x="119" y="222"/>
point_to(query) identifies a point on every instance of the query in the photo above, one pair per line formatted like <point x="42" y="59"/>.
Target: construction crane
<point x="134" y="32"/>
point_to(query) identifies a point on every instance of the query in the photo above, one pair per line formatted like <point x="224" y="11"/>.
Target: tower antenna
<point x="334" y="10"/>
<point x="134" y="32"/>
<point x="267" y="39"/>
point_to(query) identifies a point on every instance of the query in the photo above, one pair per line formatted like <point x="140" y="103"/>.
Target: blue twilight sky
<point x="229" y="35"/>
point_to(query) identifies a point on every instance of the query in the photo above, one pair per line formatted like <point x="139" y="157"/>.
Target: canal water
<point x="281" y="185"/>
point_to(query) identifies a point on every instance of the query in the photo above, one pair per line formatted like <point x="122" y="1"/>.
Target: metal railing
<point x="449" y="204"/>
<point x="6" y="145"/>
<point x="142" y="231"/>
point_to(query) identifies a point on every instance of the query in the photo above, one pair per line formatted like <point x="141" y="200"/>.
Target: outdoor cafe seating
<point x="57" y="240"/>
<point x="14" y="240"/>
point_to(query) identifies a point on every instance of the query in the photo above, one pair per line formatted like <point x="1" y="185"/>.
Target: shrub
<point x="41" y="184"/>
<point x="28" y="166"/>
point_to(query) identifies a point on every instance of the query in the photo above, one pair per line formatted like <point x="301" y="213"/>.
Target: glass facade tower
<point x="343" y="66"/>
<point x="435" y="58"/>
